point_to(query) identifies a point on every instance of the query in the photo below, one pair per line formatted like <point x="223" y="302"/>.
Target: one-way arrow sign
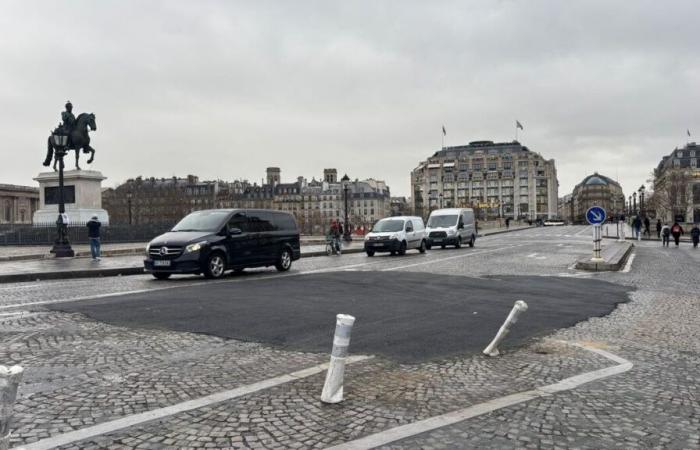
<point x="595" y="215"/>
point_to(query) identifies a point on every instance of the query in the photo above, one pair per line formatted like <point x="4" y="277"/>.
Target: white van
<point x="451" y="226"/>
<point x="396" y="235"/>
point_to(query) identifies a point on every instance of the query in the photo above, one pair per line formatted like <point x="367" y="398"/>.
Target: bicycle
<point x="332" y="246"/>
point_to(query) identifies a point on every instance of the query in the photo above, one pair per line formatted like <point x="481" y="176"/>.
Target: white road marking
<point x="450" y="418"/>
<point x="155" y="414"/>
<point x="628" y="266"/>
<point x="582" y="231"/>
<point x="464" y="255"/>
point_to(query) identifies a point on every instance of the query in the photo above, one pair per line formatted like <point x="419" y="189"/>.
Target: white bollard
<point x="333" y="387"/>
<point x="9" y="382"/>
<point x="519" y="308"/>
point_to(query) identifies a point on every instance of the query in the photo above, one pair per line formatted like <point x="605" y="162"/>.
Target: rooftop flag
<point x="519" y="125"/>
<point x="444" y="132"/>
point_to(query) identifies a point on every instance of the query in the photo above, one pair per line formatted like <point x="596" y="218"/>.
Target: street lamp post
<point x="128" y="201"/>
<point x="346" y="188"/>
<point x="61" y="246"/>
<point x="641" y="199"/>
<point x="629" y="206"/>
<point x="634" y="202"/>
<point x="440" y="195"/>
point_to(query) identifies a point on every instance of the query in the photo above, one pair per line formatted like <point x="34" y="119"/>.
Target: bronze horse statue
<point x="78" y="139"/>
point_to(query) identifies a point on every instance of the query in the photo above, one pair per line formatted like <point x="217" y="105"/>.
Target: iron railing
<point x="45" y="234"/>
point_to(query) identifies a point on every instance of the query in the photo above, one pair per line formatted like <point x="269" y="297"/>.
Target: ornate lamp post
<point x="61" y="247"/>
<point x="641" y="199"/>
<point x="629" y="206"/>
<point x="634" y="202"/>
<point x="440" y="200"/>
<point x="346" y="188"/>
<point x="128" y="202"/>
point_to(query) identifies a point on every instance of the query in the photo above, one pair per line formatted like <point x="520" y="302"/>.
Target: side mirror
<point x="233" y="231"/>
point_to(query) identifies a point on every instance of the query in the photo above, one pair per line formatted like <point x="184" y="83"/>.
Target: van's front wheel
<point x="284" y="263"/>
<point x="422" y="247"/>
<point x="471" y="241"/>
<point x="216" y="266"/>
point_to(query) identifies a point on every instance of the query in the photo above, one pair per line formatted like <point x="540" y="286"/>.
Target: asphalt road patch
<point x="405" y="316"/>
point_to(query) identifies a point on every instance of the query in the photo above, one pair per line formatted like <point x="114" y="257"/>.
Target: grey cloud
<point x="224" y="89"/>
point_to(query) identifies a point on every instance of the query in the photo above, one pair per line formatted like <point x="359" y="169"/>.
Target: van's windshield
<point x="202" y="221"/>
<point x="442" y="221"/>
<point x="388" y="226"/>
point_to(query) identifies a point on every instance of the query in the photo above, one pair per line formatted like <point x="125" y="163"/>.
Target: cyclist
<point x="334" y="235"/>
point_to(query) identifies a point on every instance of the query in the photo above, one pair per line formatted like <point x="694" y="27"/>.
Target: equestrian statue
<point x="76" y="128"/>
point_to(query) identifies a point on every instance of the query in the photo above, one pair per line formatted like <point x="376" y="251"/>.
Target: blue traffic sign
<point x="595" y="215"/>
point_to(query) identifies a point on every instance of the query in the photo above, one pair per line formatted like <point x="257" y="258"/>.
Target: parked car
<point x="451" y="226"/>
<point x="396" y="235"/>
<point x="553" y="222"/>
<point x="211" y="242"/>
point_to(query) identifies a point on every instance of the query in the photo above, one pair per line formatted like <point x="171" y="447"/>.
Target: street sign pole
<point x="596" y="216"/>
<point x="596" y="243"/>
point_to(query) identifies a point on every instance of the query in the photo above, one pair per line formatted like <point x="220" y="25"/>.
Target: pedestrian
<point x="695" y="234"/>
<point x="658" y="229"/>
<point x="507" y="222"/>
<point x="637" y="226"/>
<point x="647" y="225"/>
<point x="665" y="233"/>
<point x="334" y="234"/>
<point x="676" y="231"/>
<point x="93" y="226"/>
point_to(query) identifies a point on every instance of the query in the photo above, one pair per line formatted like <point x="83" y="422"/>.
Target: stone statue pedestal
<point x="82" y="197"/>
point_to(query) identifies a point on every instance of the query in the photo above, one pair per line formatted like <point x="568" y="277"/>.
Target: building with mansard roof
<point x="497" y="179"/>
<point x="597" y="190"/>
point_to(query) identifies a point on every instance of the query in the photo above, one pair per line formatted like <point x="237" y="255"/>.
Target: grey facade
<point x="502" y="179"/>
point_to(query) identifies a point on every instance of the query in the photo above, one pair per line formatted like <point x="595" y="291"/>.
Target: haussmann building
<point x="497" y="179"/>
<point x="597" y="190"/>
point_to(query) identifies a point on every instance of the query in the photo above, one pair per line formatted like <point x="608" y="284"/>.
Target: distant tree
<point x="670" y="196"/>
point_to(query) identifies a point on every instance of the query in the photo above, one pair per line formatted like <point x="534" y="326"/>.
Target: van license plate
<point x="161" y="263"/>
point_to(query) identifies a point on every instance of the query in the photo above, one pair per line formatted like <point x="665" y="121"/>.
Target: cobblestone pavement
<point x="81" y="372"/>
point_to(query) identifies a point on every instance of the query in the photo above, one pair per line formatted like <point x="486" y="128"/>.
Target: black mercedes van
<point x="214" y="241"/>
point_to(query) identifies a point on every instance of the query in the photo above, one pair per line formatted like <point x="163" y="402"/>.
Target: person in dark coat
<point x="658" y="229"/>
<point x="647" y="226"/>
<point x="695" y="235"/>
<point x="676" y="232"/>
<point x="93" y="226"/>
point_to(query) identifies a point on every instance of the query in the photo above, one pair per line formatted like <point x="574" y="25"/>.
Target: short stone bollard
<point x="333" y="387"/>
<point x="519" y="308"/>
<point x="9" y="382"/>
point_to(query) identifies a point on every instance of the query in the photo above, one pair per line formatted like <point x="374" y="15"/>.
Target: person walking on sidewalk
<point x="647" y="226"/>
<point x="695" y="235"/>
<point x="666" y="234"/>
<point x="676" y="231"/>
<point x="658" y="229"/>
<point x="637" y="227"/>
<point x="93" y="226"/>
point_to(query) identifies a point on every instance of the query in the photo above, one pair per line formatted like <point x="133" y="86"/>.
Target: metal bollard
<point x="519" y="308"/>
<point x="333" y="387"/>
<point x="9" y="382"/>
<point x="622" y="231"/>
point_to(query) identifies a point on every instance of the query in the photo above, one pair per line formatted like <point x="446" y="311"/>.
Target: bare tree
<point x="670" y="196"/>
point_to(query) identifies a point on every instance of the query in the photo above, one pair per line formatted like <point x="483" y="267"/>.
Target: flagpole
<point x="516" y="130"/>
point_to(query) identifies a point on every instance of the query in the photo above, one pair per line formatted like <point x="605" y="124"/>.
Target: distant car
<point x="214" y="241"/>
<point x="451" y="226"/>
<point x="553" y="222"/>
<point x="396" y="235"/>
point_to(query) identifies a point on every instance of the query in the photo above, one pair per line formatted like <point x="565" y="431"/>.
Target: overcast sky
<point x="225" y="89"/>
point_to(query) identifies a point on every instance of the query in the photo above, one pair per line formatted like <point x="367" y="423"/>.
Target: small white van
<point x="396" y="235"/>
<point x="451" y="226"/>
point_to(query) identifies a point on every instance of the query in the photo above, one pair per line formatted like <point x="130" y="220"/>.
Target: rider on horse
<point x="68" y="118"/>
